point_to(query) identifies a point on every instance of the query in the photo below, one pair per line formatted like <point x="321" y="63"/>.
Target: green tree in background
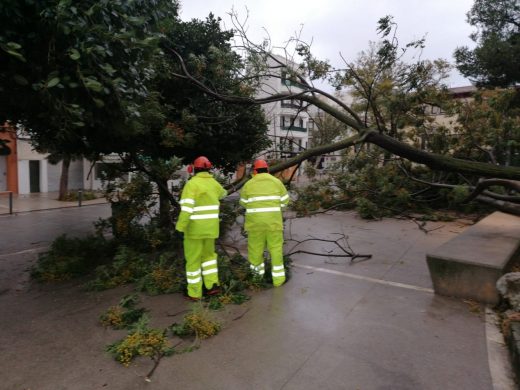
<point x="495" y="60"/>
<point x="97" y="77"/>
<point x="75" y="73"/>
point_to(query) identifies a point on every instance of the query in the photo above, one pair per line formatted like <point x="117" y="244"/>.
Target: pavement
<point x="373" y="324"/>
<point x="38" y="201"/>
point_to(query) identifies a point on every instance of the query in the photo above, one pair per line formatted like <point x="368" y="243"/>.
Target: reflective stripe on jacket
<point x="264" y="197"/>
<point x="200" y="203"/>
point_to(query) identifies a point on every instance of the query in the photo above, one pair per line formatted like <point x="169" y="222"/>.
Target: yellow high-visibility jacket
<point x="200" y="203"/>
<point x="264" y="197"/>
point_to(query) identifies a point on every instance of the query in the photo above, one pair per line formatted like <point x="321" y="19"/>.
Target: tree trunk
<point x="165" y="221"/>
<point x="64" y="178"/>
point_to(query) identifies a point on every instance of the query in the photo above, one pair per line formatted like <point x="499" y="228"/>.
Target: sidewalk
<point x="39" y="201"/>
<point x="337" y="324"/>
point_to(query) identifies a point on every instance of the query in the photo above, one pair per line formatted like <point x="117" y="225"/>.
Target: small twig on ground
<point x="347" y="251"/>
<point x="420" y="224"/>
<point x="156" y="361"/>
<point x="241" y="315"/>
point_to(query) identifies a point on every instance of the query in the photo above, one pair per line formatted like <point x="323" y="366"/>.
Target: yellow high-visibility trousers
<point x="257" y="241"/>
<point x="201" y="265"/>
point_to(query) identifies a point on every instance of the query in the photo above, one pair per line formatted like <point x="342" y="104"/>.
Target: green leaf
<point x="14" y="45"/>
<point x="136" y="20"/>
<point x="20" y="79"/>
<point x="74" y="54"/>
<point x="16" y="55"/>
<point x="93" y="85"/>
<point x="108" y="68"/>
<point x="99" y="103"/>
<point x="53" y="82"/>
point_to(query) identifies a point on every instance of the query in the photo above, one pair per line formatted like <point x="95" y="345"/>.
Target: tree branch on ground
<point x="346" y="249"/>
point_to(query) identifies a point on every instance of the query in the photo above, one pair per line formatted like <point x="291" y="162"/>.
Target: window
<point x="292" y="123"/>
<point x="289" y="80"/>
<point x="290" y="103"/>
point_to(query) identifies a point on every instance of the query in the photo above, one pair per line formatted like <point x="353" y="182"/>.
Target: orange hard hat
<point x="259" y="164"/>
<point x="201" y="162"/>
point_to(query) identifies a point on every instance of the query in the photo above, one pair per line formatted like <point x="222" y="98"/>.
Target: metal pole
<point x="10" y="202"/>
<point x="80" y="196"/>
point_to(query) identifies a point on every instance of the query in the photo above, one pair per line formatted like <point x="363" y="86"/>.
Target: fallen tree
<point x="369" y="127"/>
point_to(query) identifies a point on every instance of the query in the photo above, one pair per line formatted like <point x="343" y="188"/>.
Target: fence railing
<point x="10" y="197"/>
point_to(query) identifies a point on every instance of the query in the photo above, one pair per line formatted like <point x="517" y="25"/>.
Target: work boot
<point x="214" y="290"/>
<point x="190" y="298"/>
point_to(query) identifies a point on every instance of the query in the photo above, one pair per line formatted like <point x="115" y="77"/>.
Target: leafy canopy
<point x="75" y="72"/>
<point x="495" y="60"/>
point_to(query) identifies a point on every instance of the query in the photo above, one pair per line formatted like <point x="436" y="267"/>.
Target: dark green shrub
<point x="128" y="266"/>
<point x="68" y="258"/>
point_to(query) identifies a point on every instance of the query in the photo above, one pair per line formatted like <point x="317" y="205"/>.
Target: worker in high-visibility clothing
<point x="264" y="197"/>
<point x="199" y="221"/>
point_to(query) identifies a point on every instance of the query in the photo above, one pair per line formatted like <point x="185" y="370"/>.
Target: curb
<point x="513" y="343"/>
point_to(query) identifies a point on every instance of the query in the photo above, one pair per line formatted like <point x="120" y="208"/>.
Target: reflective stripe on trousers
<point x="201" y="265"/>
<point x="258" y="269"/>
<point x="278" y="270"/>
<point x="257" y="241"/>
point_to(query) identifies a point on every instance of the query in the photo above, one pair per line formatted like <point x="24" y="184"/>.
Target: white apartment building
<point x="288" y="121"/>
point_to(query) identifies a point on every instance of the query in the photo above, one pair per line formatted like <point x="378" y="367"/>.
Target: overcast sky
<point x="347" y="26"/>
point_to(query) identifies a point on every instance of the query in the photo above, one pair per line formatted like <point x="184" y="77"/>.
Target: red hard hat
<point x="202" y="162"/>
<point x="260" y="164"/>
<point x="199" y="163"/>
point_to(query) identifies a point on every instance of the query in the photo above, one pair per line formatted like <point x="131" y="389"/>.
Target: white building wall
<point x="44" y="182"/>
<point x="53" y="175"/>
<point x="23" y="177"/>
<point x="26" y="151"/>
<point x="49" y="173"/>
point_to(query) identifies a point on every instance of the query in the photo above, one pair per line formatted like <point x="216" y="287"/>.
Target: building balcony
<point x="290" y="104"/>
<point x="294" y="128"/>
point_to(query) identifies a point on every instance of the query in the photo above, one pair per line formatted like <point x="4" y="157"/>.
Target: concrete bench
<point x="469" y="265"/>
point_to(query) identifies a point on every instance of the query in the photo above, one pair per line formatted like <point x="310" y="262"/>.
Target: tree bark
<point x="64" y="178"/>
